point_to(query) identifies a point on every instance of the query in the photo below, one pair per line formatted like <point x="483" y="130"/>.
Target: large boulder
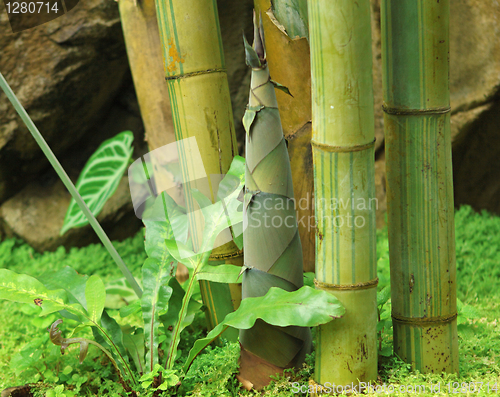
<point x="475" y="103"/>
<point x="65" y="73"/>
<point x="36" y="213"/>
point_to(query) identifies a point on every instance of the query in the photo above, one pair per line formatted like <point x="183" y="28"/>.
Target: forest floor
<point x="28" y="357"/>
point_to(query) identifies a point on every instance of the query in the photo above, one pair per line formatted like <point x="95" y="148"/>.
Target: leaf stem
<point x="182" y="313"/>
<point x="69" y="185"/>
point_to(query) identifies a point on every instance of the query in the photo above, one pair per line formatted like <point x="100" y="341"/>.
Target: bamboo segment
<point x="415" y="56"/>
<point x="142" y="39"/>
<point x="273" y="255"/>
<point x="343" y="154"/>
<point x="199" y="95"/>
<point x="284" y="50"/>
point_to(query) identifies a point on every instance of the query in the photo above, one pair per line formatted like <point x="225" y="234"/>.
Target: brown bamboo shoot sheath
<point x="195" y="71"/>
<point x="343" y="155"/>
<point x="415" y="54"/>
<point x="288" y="61"/>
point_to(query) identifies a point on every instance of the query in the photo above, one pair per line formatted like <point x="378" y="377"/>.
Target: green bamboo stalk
<point x="415" y="56"/>
<point x="273" y="253"/>
<point x="69" y="185"/>
<point x="343" y="154"/>
<point x="199" y="97"/>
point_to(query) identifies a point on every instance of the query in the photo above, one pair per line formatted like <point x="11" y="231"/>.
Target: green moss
<point x="26" y="356"/>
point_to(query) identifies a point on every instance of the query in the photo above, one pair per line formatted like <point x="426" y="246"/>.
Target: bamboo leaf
<point x="305" y="307"/>
<point x="220" y="273"/>
<point x="281" y="87"/>
<point x="95" y="295"/>
<point x="100" y="178"/>
<point x="156" y="295"/>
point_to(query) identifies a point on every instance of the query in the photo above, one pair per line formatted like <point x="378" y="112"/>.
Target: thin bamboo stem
<point x="69" y="185"/>
<point x="343" y="154"/>
<point x="415" y="56"/>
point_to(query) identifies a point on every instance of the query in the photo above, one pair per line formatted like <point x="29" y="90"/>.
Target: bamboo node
<point x="198" y="73"/>
<point x="234" y="254"/>
<point x="342" y="149"/>
<point x="415" y="112"/>
<point x="424" y="320"/>
<point x="346" y="287"/>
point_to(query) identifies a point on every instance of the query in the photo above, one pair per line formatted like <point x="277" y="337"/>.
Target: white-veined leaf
<point x="100" y="178"/>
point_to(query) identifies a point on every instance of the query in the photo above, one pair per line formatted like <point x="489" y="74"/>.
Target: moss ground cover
<point x="27" y="356"/>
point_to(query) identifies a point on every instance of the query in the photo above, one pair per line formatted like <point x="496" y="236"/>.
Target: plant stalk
<point x="415" y="61"/>
<point x="343" y="154"/>
<point x="69" y="185"/>
<point x="196" y="76"/>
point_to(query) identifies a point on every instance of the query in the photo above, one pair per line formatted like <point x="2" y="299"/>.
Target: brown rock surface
<point x="66" y="73"/>
<point x="36" y="215"/>
<point x="475" y="96"/>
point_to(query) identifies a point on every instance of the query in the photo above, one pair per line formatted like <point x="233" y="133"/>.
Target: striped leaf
<point x="100" y="178"/>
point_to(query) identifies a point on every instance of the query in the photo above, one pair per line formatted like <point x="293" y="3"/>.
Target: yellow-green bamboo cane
<point x="415" y="54"/>
<point x="201" y="108"/>
<point x="343" y="154"/>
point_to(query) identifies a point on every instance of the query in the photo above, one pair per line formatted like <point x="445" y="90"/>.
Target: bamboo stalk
<point x="415" y="56"/>
<point x="343" y="154"/>
<point x="142" y="40"/>
<point x="286" y="42"/>
<point x="199" y="96"/>
<point x="273" y="253"/>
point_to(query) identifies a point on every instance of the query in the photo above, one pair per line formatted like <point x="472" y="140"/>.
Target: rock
<point x="66" y="73"/>
<point x="37" y="212"/>
<point x="476" y="159"/>
<point x="36" y="215"/>
<point x="474" y="95"/>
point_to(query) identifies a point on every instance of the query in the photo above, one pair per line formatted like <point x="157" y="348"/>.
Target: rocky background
<point x="72" y="76"/>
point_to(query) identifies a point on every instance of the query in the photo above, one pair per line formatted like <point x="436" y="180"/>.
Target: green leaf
<point x="309" y="279"/>
<point x="95" y="294"/>
<point x="167" y="220"/>
<point x="281" y="87"/>
<point x="118" y="294"/>
<point x="305" y="307"/>
<point x="114" y="331"/>
<point x="69" y="280"/>
<point x="130" y="309"/>
<point x="383" y="296"/>
<point x="251" y="57"/>
<point x="182" y="253"/>
<point x="134" y="343"/>
<point x="100" y="178"/>
<point x="155" y="297"/>
<point x="26" y="289"/>
<point x="171" y="317"/>
<point x="220" y="273"/>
